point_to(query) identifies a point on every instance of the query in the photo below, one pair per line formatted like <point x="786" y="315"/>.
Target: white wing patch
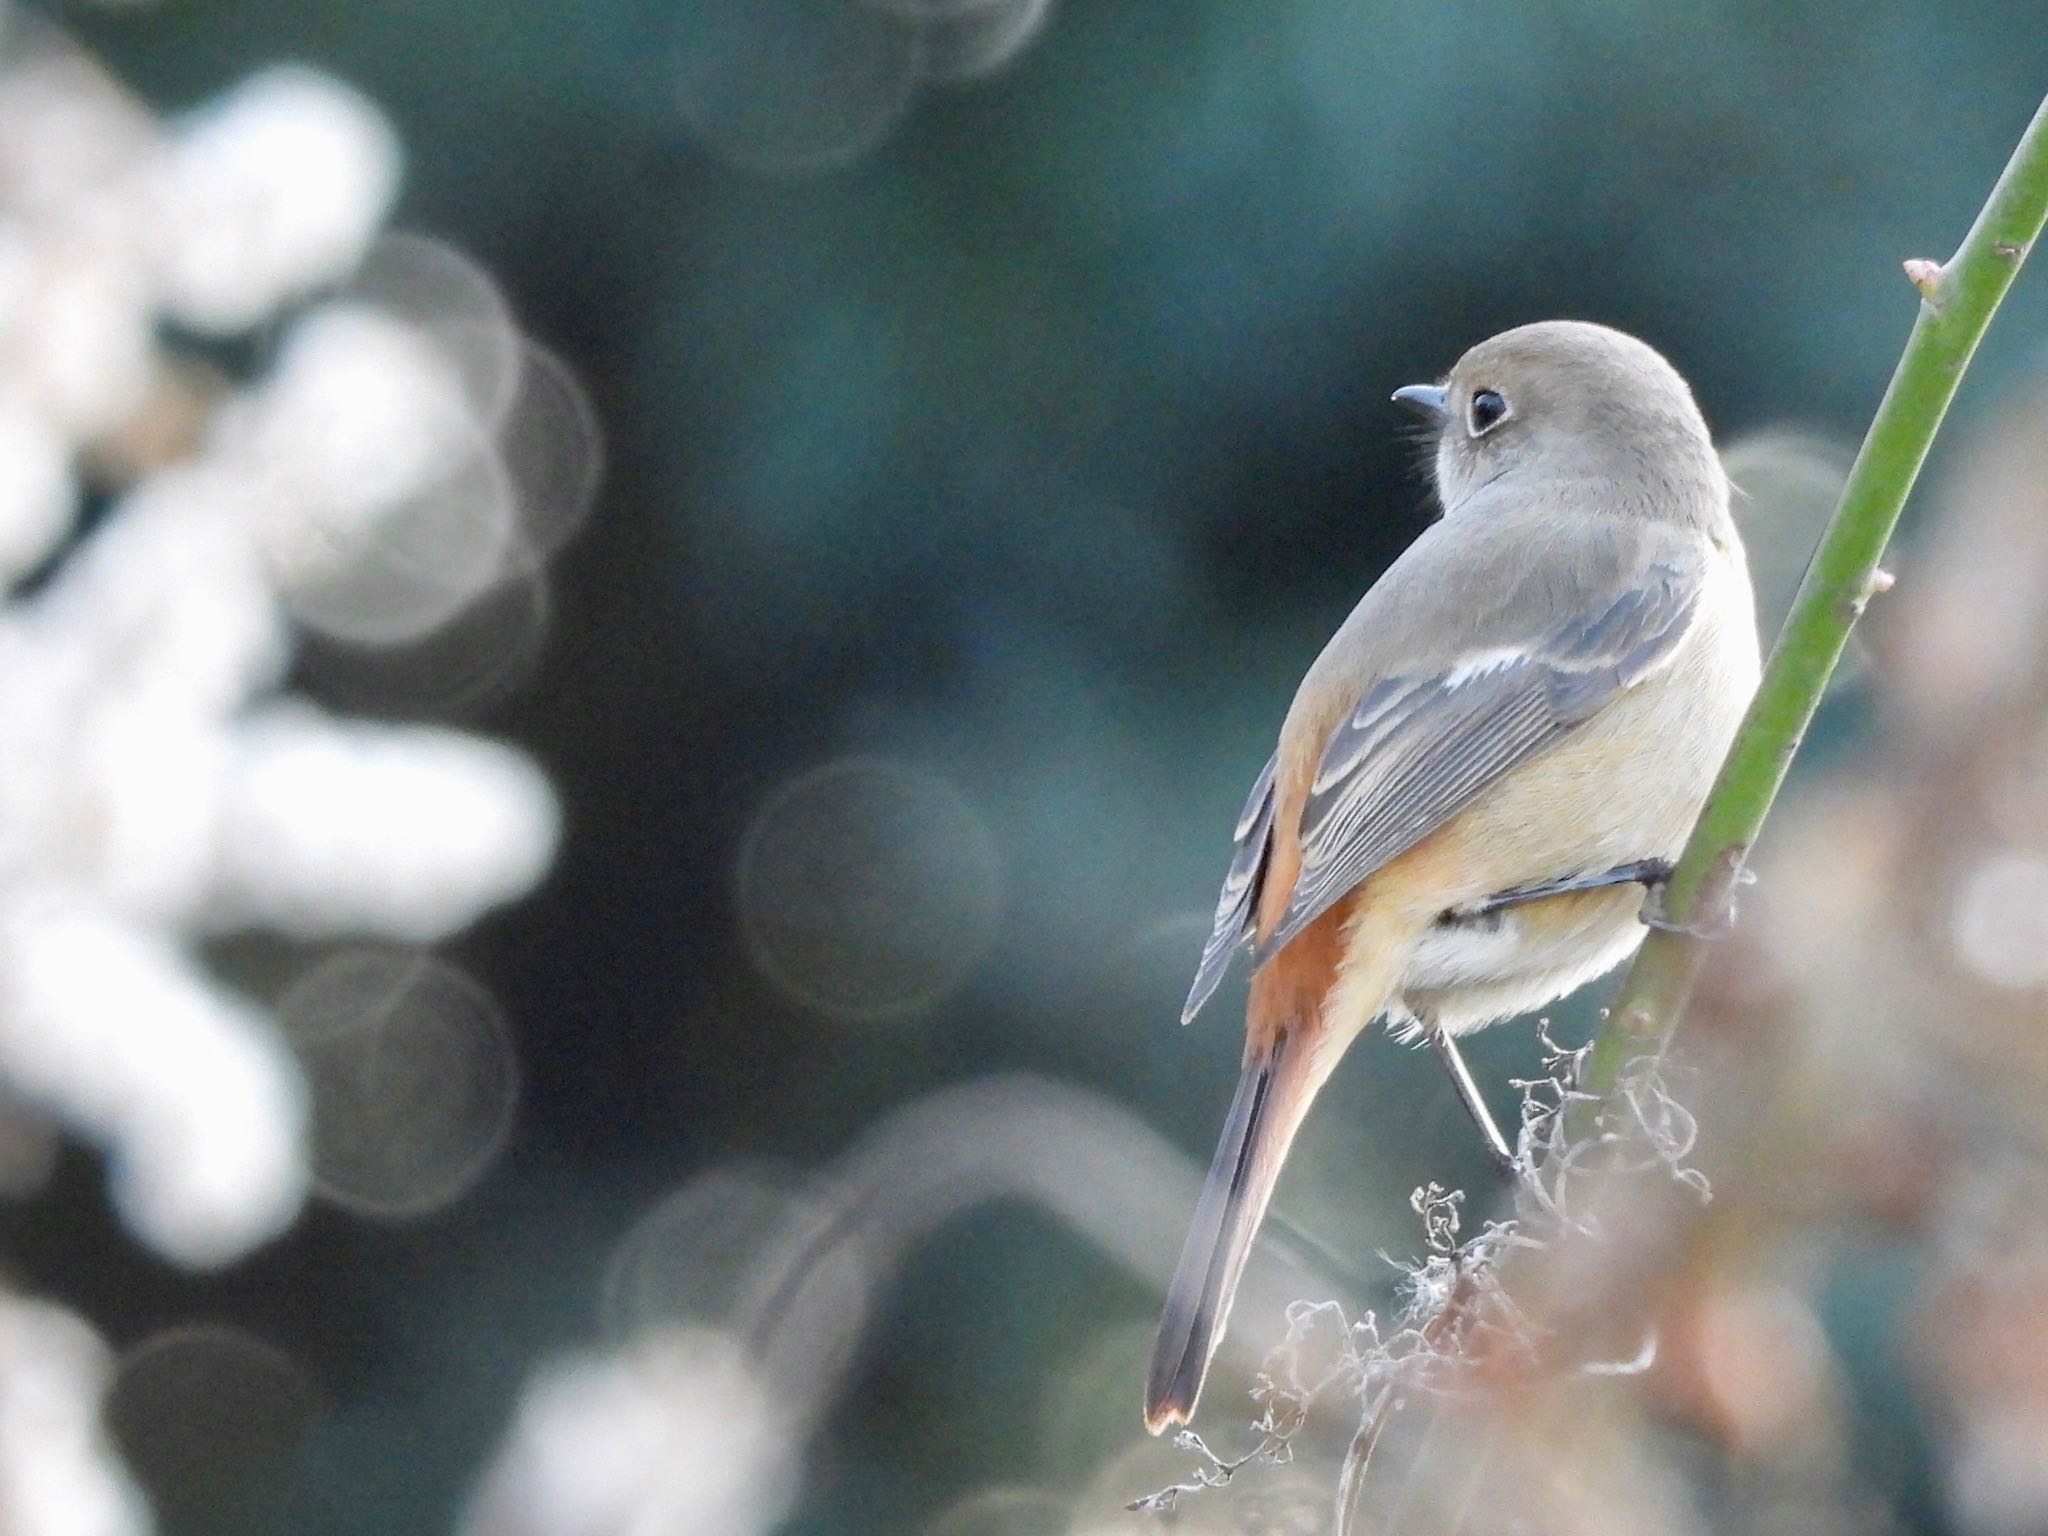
<point x="1483" y="664"/>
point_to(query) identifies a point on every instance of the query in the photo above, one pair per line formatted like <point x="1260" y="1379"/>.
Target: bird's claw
<point x="1707" y="927"/>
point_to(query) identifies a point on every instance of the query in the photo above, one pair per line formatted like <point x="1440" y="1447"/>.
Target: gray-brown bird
<point x="1512" y="733"/>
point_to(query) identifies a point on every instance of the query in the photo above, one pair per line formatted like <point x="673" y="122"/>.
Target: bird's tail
<point x="1273" y="1097"/>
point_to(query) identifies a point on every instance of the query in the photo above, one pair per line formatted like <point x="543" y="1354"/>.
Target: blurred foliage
<point x="1038" y="448"/>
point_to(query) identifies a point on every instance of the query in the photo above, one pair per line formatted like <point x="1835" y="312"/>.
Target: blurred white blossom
<point x="321" y="823"/>
<point x="58" y="1476"/>
<point x="196" y="1096"/>
<point x="272" y="190"/>
<point x="674" y="1433"/>
<point x="159" y="787"/>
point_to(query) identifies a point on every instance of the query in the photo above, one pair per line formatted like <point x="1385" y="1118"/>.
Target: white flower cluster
<point x="159" y="786"/>
<point x="56" y="1476"/>
<point x="672" y="1433"/>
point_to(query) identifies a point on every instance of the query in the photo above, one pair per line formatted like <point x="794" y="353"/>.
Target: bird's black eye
<point x="1488" y="411"/>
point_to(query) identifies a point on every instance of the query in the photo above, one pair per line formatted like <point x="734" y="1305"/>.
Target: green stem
<point x="1957" y="302"/>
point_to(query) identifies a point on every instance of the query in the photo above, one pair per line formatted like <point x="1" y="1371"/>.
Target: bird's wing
<point x="1421" y="746"/>
<point x="1240" y="891"/>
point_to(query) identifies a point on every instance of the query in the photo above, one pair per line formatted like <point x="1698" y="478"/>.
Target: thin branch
<point x="1958" y="298"/>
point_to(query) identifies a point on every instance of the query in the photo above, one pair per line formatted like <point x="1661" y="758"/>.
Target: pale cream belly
<point x="1464" y="975"/>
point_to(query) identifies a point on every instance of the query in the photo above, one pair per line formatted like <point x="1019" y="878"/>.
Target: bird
<point x="1508" y="740"/>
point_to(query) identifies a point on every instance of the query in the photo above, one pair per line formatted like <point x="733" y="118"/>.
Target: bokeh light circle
<point x="2000" y="920"/>
<point x="1787" y="483"/>
<point x="208" y="1418"/>
<point x="792" y="85"/>
<point x="747" y="1249"/>
<point x="412" y="1074"/>
<point x="868" y="889"/>
<point x="417" y="568"/>
<point x="967" y="44"/>
<point x="552" y="451"/>
<point x="690" y="1258"/>
<point x="478" y="659"/>
<point x="440" y="292"/>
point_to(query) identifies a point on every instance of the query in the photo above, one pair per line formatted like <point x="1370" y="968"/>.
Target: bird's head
<point x="1570" y="404"/>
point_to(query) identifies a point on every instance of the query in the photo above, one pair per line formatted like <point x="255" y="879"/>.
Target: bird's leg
<point x="1468" y="1093"/>
<point x="1718" y="895"/>
<point x="1649" y="872"/>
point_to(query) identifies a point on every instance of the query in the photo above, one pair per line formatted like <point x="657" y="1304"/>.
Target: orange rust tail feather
<point x="1287" y="1059"/>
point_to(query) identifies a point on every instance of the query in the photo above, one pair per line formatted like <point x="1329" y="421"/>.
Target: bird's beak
<point x="1425" y="400"/>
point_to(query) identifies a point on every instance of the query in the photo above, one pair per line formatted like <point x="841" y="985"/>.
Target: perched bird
<point x="1514" y="729"/>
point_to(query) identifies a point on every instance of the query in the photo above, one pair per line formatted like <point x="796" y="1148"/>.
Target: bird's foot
<point x="1715" y="899"/>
